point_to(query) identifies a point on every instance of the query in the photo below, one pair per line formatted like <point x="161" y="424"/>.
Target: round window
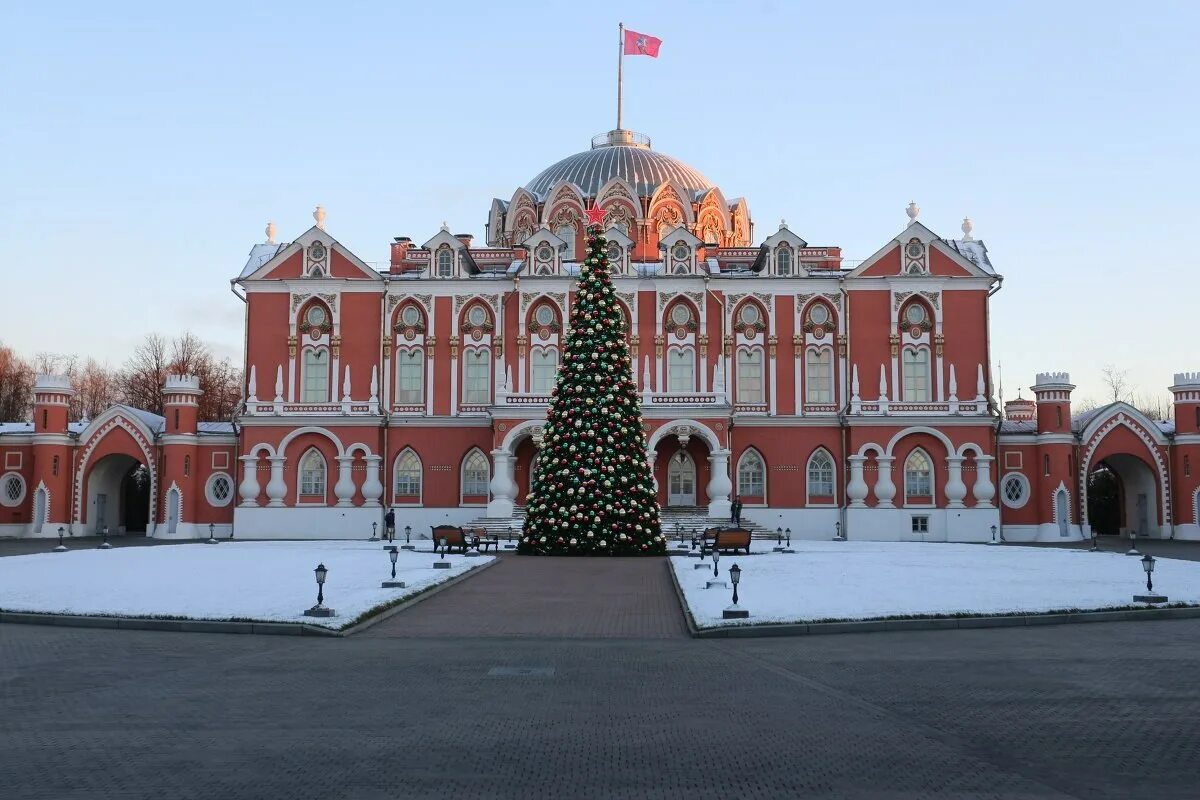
<point x="613" y="252"/>
<point x="544" y="315"/>
<point x="410" y="316"/>
<point x="915" y="250"/>
<point x="681" y="315"/>
<point x="750" y="315"/>
<point x="477" y="316"/>
<point x="915" y="314"/>
<point x="545" y="253"/>
<point x="317" y="252"/>
<point x="819" y="314"/>
<point x="316" y="316"/>
<point x="1014" y="490"/>
<point x="680" y="252"/>
<point x="219" y="490"/>
<point x="12" y="489"/>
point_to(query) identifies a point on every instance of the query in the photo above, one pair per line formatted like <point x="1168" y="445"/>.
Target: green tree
<point x="592" y="493"/>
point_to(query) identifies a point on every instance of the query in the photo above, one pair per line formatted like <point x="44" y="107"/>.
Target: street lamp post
<point x="837" y="532"/>
<point x="407" y="539"/>
<point x="1150" y="596"/>
<point x="104" y="545"/>
<point x="716" y="558"/>
<point x="779" y="540"/>
<point x="509" y="544"/>
<point x="393" y="554"/>
<point x="994" y="539"/>
<point x="442" y="563"/>
<point x="374" y="528"/>
<point x="1095" y="540"/>
<point x="62" y="548"/>
<point x="1132" y="551"/>
<point x="320" y="610"/>
<point x="735" y="611"/>
<point x="212" y="529"/>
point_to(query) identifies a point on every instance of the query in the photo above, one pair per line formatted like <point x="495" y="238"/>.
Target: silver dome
<point x="623" y="154"/>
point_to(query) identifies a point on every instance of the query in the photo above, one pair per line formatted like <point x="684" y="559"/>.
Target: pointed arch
<point x="41" y="507"/>
<point x="173" y="509"/>
<point x="750" y="375"/>
<point x="820" y="479"/>
<point x="474" y="476"/>
<point x="407" y="479"/>
<point x="918" y="478"/>
<point x="312" y="478"/>
<point x="752" y="477"/>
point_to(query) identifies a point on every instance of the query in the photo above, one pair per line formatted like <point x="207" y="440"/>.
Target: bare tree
<point x="16" y="387"/>
<point x="142" y="379"/>
<point x="1117" y="381"/>
<point x="98" y="388"/>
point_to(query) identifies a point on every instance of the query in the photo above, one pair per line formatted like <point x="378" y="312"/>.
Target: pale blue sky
<point x="143" y="147"/>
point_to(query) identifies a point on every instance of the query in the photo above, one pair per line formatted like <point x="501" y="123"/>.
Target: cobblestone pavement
<point x="1159" y="548"/>
<point x="551" y="597"/>
<point x="24" y="547"/>
<point x="1078" y="711"/>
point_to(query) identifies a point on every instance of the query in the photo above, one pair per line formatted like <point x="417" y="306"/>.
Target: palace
<point x="832" y="399"/>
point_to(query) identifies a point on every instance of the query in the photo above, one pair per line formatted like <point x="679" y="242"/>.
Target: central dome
<point x="619" y="154"/>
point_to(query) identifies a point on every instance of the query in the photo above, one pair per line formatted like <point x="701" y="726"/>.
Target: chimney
<point x="400" y="248"/>
<point x="465" y="238"/>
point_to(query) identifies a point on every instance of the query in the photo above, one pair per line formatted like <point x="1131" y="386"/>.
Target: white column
<point x="344" y="488"/>
<point x="372" y="488"/>
<point x="719" y="485"/>
<point x="956" y="490"/>
<point x="276" y="488"/>
<point x="249" y="487"/>
<point x="984" y="490"/>
<point x="856" y="487"/>
<point x="885" y="488"/>
<point x="502" y="485"/>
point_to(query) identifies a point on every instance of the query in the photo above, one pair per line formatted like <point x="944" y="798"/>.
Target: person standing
<point x="736" y="510"/>
<point x="389" y="525"/>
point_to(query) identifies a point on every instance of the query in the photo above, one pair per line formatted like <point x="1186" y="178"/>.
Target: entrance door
<point x="39" y="509"/>
<point x="681" y="481"/>
<point x="172" y="510"/>
<point x="1060" y="508"/>
<point x="101" y="511"/>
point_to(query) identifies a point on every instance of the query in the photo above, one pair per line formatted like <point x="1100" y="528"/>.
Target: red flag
<point x="639" y="44"/>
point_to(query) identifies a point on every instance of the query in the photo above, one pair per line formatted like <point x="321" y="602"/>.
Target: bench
<point x="480" y="539"/>
<point x="455" y="538"/>
<point x="731" y="539"/>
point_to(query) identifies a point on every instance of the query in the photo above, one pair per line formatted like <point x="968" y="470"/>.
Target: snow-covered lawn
<point x="870" y="580"/>
<point x="261" y="581"/>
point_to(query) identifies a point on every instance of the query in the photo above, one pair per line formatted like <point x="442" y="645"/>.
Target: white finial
<point x="508" y="384"/>
<point x="854" y="381"/>
<point x="279" y="384"/>
<point x="374" y="384"/>
<point x="270" y="233"/>
<point x="782" y="224"/>
<point x="913" y="210"/>
<point x="253" y="398"/>
<point x="319" y="216"/>
<point x="953" y="384"/>
<point x="882" y="384"/>
<point x="967" y="227"/>
<point x="346" y="385"/>
<point x="980" y="385"/>
<point x="445" y="226"/>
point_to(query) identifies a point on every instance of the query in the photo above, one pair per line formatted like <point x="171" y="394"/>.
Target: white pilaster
<point x="249" y="488"/>
<point x="984" y="490"/>
<point x="856" y="487"/>
<point x="885" y="488"/>
<point x="956" y="490"/>
<point x="502" y="485"/>
<point x="719" y="485"/>
<point x="344" y="488"/>
<point x="372" y="488"/>
<point x="276" y="488"/>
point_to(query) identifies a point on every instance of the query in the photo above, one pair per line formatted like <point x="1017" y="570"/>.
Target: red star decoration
<point x="596" y="215"/>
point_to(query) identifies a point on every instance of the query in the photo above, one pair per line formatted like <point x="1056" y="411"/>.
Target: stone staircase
<point x="673" y="520"/>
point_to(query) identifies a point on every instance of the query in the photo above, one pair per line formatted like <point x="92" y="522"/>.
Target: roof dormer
<point x="545" y="253"/>
<point x="680" y="246"/>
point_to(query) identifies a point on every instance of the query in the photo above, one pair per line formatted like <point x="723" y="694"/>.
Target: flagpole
<point x="620" y="67"/>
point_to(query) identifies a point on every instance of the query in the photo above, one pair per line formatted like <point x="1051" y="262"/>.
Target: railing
<point x="261" y="409"/>
<point x="409" y="408"/>
<point x="893" y="407"/>
<point x="524" y="399"/>
<point x="820" y="408"/>
<point x="750" y="408"/>
<point x="684" y="399"/>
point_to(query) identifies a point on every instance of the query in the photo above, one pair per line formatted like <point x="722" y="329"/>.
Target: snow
<point x="869" y="580"/>
<point x="261" y="581"/>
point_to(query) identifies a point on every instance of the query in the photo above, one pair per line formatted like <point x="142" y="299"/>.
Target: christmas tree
<point x="591" y="493"/>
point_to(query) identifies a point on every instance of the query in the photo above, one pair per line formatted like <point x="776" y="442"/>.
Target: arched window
<point x="543" y="365"/>
<point x="750" y="376"/>
<point x="681" y="370"/>
<point x="41" y="507"/>
<point x="312" y="476"/>
<point x="407" y="488"/>
<point x="314" y="376"/>
<point x="818" y="378"/>
<point x="475" y="475"/>
<point x="476" y="376"/>
<point x="918" y="478"/>
<point x="410" y="376"/>
<point x="752" y="475"/>
<point x="916" y="374"/>
<point x="1187" y="467"/>
<point x="1058" y="415"/>
<point x="445" y="263"/>
<point x="567" y="234"/>
<point x="54" y="467"/>
<point x="820" y="477"/>
<point x="1046" y="464"/>
<point x="187" y="466"/>
<point x="783" y="261"/>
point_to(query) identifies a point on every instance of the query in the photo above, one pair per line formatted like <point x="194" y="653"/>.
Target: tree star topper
<point x="596" y="216"/>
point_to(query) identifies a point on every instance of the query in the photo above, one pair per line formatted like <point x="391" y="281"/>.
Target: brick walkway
<point x="523" y="596"/>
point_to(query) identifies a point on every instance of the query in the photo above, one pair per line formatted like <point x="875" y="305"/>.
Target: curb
<point x="693" y="631"/>
<point x="227" y="626"/>
<point x="936" y="623"/>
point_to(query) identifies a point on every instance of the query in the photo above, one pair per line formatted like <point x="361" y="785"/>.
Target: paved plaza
<point x="488" y="689"/>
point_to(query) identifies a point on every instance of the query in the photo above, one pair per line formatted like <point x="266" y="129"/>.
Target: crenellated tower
<point x="180" y="467"/>
<point x="52" y="448"/>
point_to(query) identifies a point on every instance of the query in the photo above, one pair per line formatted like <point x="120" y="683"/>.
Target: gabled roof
<point x="974" y="251"/>
<point x="670" y="237"/>
<point x="952" y="249"/>
<point x="260" y="254"/>
<point x="784" y="234"/>
<point x="285" y="251"/>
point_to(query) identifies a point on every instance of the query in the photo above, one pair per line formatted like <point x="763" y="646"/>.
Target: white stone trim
<point x="737" y="473"/>
<point x="808" y="482"/>
<point x="1135" y="422"/>
<point x="210" y="494"/>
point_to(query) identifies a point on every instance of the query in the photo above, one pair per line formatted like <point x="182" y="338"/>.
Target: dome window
<point x="783" y="261"/>
<point x="445" y="263"/>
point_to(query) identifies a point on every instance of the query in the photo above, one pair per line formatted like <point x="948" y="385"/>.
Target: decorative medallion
<point x="544" y="333"/>
<point x="818" y="332"/>
<point x="681" y="332"/>
<point x="314" y="334"/>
